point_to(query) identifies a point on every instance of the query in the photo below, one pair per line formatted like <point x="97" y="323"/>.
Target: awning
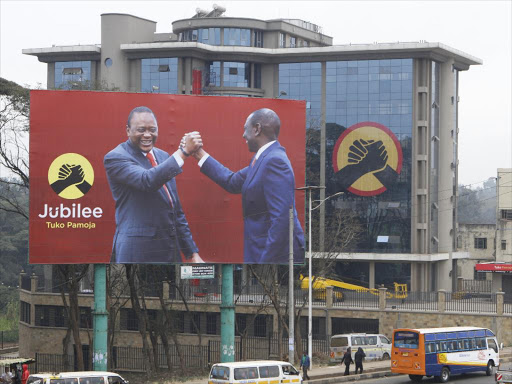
<point x="494" y="267"/>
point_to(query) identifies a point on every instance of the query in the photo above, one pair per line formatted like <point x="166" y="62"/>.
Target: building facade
<point x="395" y="103"/>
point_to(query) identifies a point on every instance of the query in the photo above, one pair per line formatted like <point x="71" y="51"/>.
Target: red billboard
<point x="98" y="196"/>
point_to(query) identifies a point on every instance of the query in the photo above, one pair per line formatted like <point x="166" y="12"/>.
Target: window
<point x="258" y="39"/>
<point x="211" y="323"/>
<point x="492" y="345"/>
<point x="241" y="323"/>
<point x="197" y="321"/>
<point x="503" y="245"/>
<point x="282" y="40"/>
<point x="220" y="373"/>
<point x="480" y="243"/>
<point x="293" y="42"/>
<point x="71" y="74"/>
<point x="406" y="340"/>
<point x="237" y="36"/>
<point x="233" y="71"/>
<point x="25" y="312"/>
<point x="42" y="315"/>
<point x="339" y="341"/>
<point x="270" y="371"/>
<point x="384" y="340"/>
<point x="159" y="75"/>
<point x="506" y="214"/>
<point x="163" y="68"/>
<point x="260" y="326"/>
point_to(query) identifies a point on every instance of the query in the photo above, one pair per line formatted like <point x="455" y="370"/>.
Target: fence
<point x="426" y="301"/>
<point x="475" y="286"/>
<point x="468" y="302"/>
<point x="46" y="362"/>
<point x="356" y="299"/>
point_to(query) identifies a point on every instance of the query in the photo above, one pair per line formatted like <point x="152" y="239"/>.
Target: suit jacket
<point x="268" y="192"/>
<point x="148" y="228"/>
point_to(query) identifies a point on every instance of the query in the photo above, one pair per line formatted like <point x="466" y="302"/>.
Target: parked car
<point x="86" y="377"/>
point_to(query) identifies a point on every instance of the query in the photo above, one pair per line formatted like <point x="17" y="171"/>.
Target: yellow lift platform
<point x="320" y="284"/>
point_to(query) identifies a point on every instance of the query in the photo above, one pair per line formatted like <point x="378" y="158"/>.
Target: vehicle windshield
<point x="406" y="340"/>
<point x="220" y="373"/>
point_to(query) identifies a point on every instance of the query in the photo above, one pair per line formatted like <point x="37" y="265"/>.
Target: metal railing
<point x="418" y="301"/>
<point x="468" y="302"/>
<point x="476" y="286"/>
<point x="47" y="362"/>
<point x="356" y="299"/>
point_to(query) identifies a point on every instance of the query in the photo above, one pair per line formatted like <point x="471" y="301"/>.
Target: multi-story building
<point x="479" y="241"/>
<point x="403" y="96"/>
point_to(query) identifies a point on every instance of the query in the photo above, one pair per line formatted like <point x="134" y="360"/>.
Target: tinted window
<point x="406" y="340"/>
<point x="92" y="380"/>
<point x="270" y="371"/>
<point x="220" y="373"/>
<point x="339" y="341"/>
<point x="241" y="374"/>
<point x="385" y="340"/>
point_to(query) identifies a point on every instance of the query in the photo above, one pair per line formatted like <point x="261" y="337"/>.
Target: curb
<point x="363" y="376"/>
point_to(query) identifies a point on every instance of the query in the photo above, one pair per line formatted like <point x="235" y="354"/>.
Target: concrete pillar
<point x="20" y="278"/>
<point x="165" y="290"/>
<point x="441" y="300"/>
<point x="460" y="281"/>
<point x="499" y="302"/>
<point x="33" y="282"/>
<point x="382" y="298"/>
<point x="328" y="297"/>
<point x="371" y="277"/>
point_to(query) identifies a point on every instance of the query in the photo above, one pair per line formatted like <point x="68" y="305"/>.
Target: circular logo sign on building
<point x="367" y="159"/>
<point x="71" y="176"/>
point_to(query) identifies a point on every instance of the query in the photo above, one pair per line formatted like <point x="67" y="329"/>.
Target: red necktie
<point x="153" y="163"/>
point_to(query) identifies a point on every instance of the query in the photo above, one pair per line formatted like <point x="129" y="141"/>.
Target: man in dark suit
<point x="150" y="224"/>
<point x="267" y="186"/>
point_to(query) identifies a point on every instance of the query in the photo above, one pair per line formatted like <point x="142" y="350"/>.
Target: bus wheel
<point x="490" y="368"/>
<point x="385" y="356"/>
<point x="445" y="375"/>
<point x="415" y="378"/>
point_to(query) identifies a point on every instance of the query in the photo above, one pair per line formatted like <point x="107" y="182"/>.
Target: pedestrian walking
<point x="358" y="358"/>
<point x="347" y="359"/>
<point x="305" y="363"/>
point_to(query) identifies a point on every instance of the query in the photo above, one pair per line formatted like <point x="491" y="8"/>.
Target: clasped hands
<point x="192" y="144"/>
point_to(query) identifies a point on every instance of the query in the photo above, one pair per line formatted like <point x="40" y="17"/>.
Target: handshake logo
<point x="71" y="176"/>
<point x="367" y="159"/>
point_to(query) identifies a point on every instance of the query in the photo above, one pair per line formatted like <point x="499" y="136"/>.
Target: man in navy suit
<point x="267" y="186"/>
<point x="150" y="224"/>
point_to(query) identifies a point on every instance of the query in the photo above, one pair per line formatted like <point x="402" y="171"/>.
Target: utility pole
<point x="291" y="300"/>
<point x="100" y="333"/>
<point x="227" y="316"/>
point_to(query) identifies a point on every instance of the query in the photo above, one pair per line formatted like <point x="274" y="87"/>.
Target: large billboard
<point x="103" y="190"/>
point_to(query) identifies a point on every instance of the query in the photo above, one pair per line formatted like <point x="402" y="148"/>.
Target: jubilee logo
<point x="71" y="176"/>
<point x="367" y="159"/>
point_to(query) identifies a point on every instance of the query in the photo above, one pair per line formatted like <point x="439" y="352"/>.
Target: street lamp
<point x="310" y="290"/>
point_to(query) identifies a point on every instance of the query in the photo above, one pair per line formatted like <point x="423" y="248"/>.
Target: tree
<point x="14" y="128"/>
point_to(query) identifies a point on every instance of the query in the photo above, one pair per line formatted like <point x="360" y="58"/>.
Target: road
<point x="474" y="378"/>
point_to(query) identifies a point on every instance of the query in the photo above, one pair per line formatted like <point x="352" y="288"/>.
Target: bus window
<point x="220" y="373"/>
<point x="252" y="373"/>
<point x="444" y="347"/>
<point x="466" y="344"/>
<point x="339" y="341"/>
<point x="460" y="347"/>
<point x="430" y="348"/>
<point x="270" y="371"/>
<point x="492" y="345"/>
<point x="241" y="374"/>
<point x="406" y="340"/>
<point x="472" y="343"/>
<point x="480" y="343"/>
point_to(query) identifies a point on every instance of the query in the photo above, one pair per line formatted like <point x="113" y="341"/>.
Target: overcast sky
<point x="479" y="28"/>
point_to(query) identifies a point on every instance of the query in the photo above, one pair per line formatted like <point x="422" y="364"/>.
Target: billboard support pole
<point x="227" y="316"/>
<point x="291" y="300"/>
<point x="100" y="318"/>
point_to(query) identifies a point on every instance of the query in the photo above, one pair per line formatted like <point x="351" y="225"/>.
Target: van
<point x="375" y="346"/>
<point x="262" y="372"/>
<point x="86" y="377"/>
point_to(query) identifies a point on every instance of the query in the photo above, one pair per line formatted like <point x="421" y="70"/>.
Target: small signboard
<point x="197" y="271"/>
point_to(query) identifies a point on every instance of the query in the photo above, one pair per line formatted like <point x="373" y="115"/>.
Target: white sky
<point x="480" y="28"/>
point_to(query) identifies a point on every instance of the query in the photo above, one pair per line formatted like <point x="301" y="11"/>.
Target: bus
<point x="442" y="352"/>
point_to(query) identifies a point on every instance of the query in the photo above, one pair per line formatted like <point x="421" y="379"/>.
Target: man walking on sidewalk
<point x="347" y="359"/>
<point x="304" y="364"/>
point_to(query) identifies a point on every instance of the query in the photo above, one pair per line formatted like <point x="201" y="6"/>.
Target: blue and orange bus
<point x="442" y="352"/>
